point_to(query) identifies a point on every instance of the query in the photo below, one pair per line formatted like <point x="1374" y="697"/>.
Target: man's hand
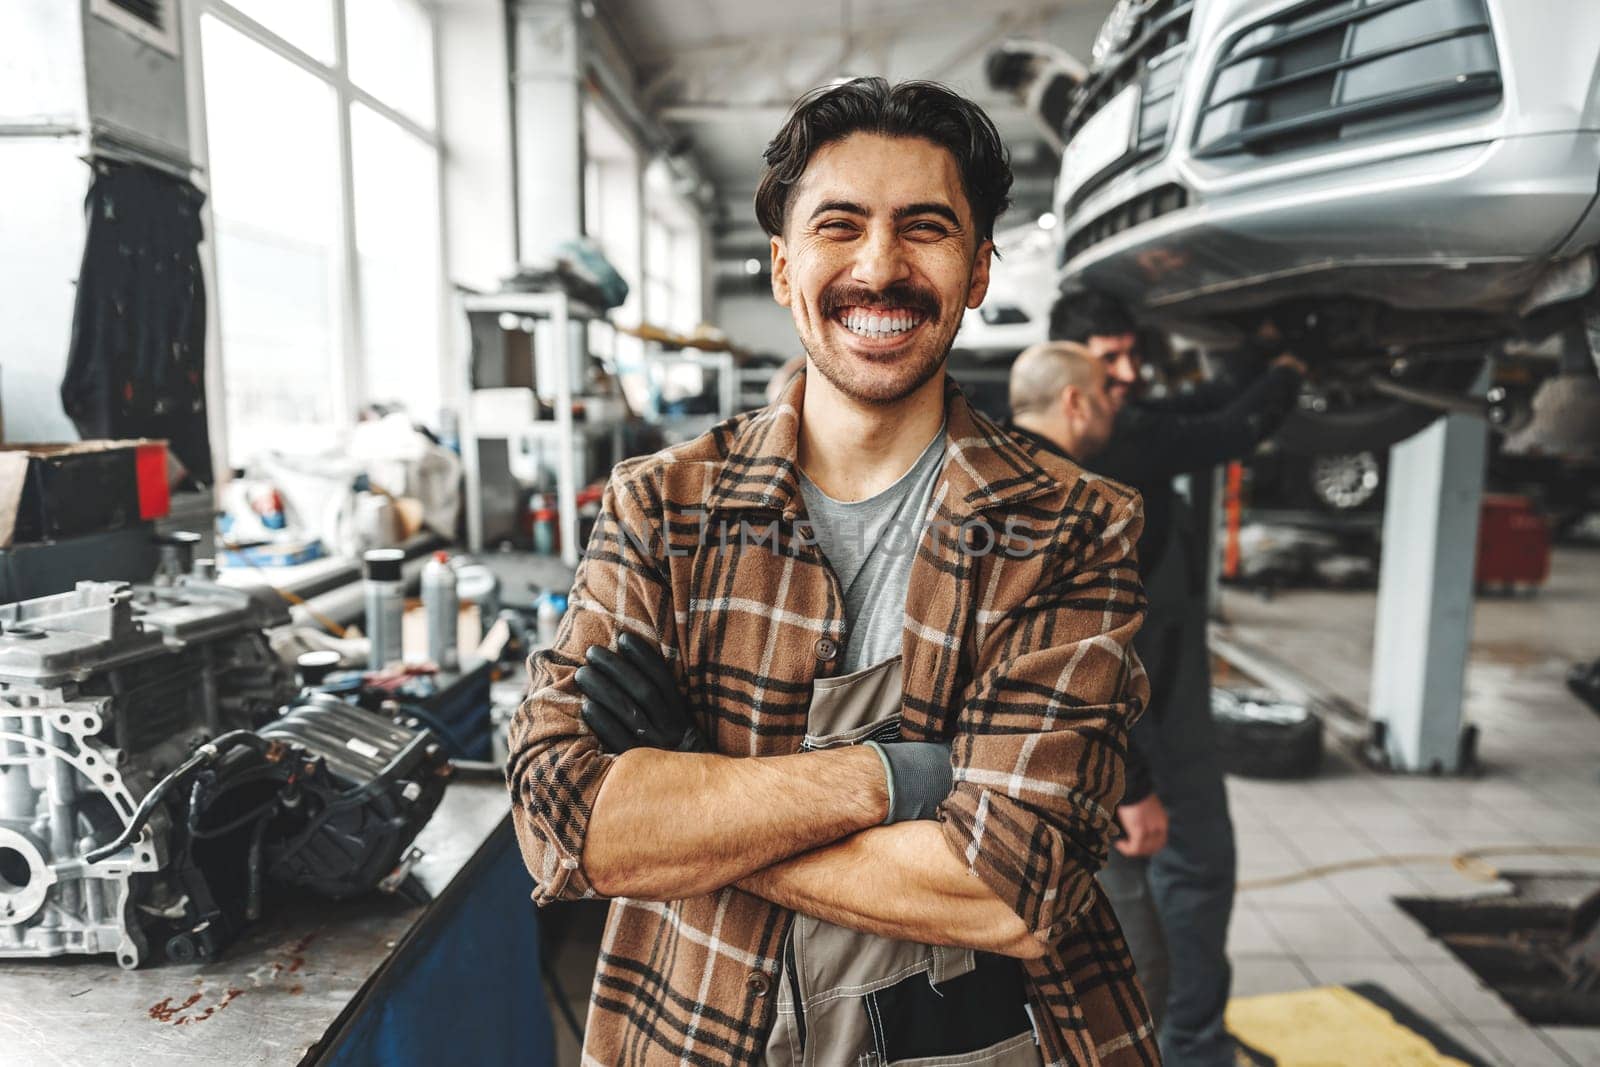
<point x="675" y="820"/>
<point x="1288" y="360"/>
<point x="631" y="699"/>
<point x="1144" y="827"/>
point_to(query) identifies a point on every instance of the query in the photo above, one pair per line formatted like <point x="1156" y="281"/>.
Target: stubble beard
<point x="867" y="383"/>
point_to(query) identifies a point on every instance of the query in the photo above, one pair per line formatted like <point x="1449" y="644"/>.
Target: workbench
<point x="370" y="981"/>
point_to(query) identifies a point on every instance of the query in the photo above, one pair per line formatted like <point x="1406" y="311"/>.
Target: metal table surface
<point x="271" y="998"/>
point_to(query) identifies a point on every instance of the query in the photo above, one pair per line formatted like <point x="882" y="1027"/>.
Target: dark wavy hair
<point x="1080" y="315"/>
<point x="909" y="109"/>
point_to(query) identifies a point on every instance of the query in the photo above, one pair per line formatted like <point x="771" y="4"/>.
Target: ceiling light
<point x="752" y="266"/>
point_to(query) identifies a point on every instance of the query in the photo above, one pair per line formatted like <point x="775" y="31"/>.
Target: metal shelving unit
<point x="568" y="321"/>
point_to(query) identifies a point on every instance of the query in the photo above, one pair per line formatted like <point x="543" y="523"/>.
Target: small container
<point x="477" y="584"/>
<point x="315" y="666"/>
<point x="442" y="608"/>
<point x="177" y="556"/>
<point x="551" y="607"/>
<point x="385" y="592"/>
<point x="546" y="540"/>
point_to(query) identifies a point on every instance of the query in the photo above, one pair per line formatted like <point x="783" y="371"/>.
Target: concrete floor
<point x="1541" y="750"/>
<point x="1541" y="786"/>
<point x="581" y="924"/>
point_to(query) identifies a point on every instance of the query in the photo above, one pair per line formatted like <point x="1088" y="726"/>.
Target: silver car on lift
<point x="1403" y="187"/>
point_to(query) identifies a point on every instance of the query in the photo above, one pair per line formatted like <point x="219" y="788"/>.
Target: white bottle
<point x="442" y="610"/>
<point x="549" y="620"/>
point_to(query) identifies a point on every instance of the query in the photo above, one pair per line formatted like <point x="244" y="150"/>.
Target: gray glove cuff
<point x="919" y="777"/>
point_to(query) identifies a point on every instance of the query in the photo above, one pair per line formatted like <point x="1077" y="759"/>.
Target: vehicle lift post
<point x="1425" y="596"/>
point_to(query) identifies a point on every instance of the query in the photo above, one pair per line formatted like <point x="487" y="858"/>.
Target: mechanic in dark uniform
<point x="1171" y="879"/>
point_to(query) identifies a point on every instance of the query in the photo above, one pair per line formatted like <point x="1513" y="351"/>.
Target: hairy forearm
<point x="899" y="881"/>
<point x="669" y="825"/>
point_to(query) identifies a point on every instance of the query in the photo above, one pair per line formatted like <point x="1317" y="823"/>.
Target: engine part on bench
<point x="369" y="786"/>
<point x="150" y="788"/>
<point x="104" y="691"/>
<point x="454" y="705"/>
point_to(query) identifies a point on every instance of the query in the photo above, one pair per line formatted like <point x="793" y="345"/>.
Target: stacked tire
<point x="1261" y="736"/>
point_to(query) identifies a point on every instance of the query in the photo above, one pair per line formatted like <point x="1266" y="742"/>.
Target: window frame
<point x="669" y="220"/>
<point x="350" y="382"/>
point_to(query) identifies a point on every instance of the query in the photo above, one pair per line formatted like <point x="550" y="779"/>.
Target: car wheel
<point x="1260" y="737"/>
<point x="1345" y="481"/>
<point x="1343" y="416"/>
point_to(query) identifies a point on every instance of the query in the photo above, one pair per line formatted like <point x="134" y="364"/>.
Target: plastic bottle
<point x="551" y="607"/>
<point x="477" y="584"/>
<point x="545" y="539"/>
<point x="442" y="609"/>
<point x="385" y="593"/>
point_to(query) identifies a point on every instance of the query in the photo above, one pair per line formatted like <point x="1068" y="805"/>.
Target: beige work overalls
<point x="837" y="976"/>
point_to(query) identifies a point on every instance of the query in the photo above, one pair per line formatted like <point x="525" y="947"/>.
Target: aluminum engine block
<point x="103" y="692"/>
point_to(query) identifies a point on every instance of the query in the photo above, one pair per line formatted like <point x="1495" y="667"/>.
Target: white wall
<point x="40" y="253"/>
<point x="475" y="125"/>
<point x="475" y="121"/>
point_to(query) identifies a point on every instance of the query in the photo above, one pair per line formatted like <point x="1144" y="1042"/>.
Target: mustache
<point x="900" y="295"/>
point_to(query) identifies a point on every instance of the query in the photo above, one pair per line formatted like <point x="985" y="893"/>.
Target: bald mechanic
<point x="1172" y="877"/>
<point x="838" y="711"/>
<point x="1064" y="399"/>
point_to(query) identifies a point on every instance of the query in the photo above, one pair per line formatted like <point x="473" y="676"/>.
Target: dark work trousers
<point x="1174" y="907"/>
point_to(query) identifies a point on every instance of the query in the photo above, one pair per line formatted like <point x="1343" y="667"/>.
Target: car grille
<point x="1331" y="70"/>
<point x="1152" y="58"/>
<point x="1161" y="200"/>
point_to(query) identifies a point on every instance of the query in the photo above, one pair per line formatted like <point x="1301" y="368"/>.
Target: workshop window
<point x="391" y="54"/>
<point x="276" y="232"/>
<point x="324" y="168"/>
<point x="397" y="244"/>
<point x="612" y="217"/>
<point x="672" y="271"/>
<point x="305" y="24"/>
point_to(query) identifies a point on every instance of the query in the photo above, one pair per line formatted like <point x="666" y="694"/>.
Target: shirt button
<point x="826" y="649"/>
<point x="758" y="983"/>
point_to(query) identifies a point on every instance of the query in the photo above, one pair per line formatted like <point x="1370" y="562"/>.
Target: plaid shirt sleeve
<point x="555" y="769"/>
<point x="1041" y="737"/>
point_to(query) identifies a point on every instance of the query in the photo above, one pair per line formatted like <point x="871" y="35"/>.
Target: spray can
<point x="443" y="609"/>
<point x="551" y="607"/>
<point x="385" y="593"/>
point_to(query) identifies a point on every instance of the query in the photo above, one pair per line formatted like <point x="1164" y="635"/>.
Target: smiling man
<point x="839" y="708"/>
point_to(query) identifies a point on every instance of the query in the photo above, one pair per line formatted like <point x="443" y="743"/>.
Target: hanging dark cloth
<point x="136" y="367"/>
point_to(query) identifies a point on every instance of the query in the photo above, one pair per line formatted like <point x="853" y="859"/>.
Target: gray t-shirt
<point x="871" y="545"/>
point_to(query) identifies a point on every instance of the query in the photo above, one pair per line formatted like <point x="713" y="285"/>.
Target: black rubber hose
<point x="261" y="812"/>
<point x="201" y="757"/>
<point x="252" y="906"/>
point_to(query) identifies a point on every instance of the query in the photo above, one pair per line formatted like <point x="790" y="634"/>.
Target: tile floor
<point x="1541" y="786"/>
<point x="1541" y="749"/>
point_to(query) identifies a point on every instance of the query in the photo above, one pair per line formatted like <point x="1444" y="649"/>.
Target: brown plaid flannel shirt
<point x="1020" y="656"/>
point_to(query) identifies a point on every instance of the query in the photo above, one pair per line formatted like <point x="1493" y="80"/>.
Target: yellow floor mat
<point x="1330" y="1027"/>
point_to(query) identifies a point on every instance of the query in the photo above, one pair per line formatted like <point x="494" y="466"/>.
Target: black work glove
<point x="631" y="700"/>
<point x="919" y="777"/>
